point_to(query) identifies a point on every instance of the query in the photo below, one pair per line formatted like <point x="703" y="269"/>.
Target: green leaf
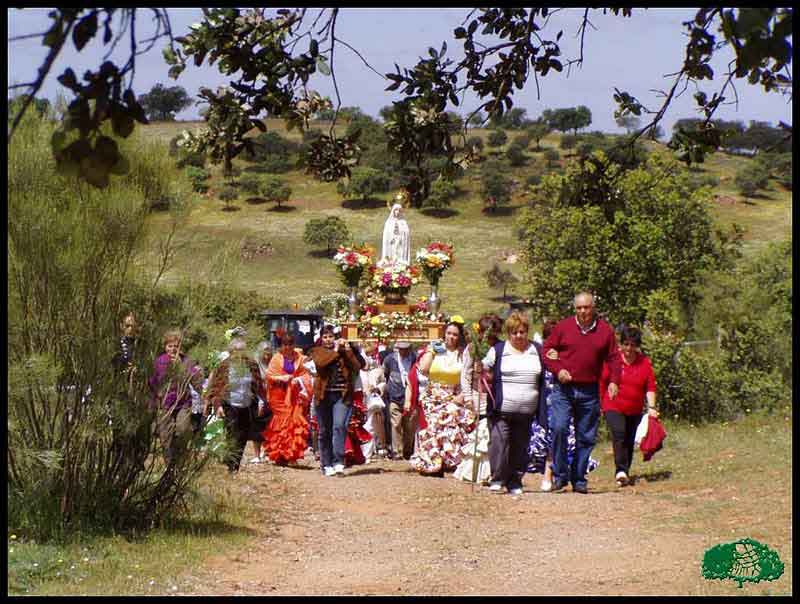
<point x="68" y="79"/>
<point x="175" y="71"/>
<point x="322" y="66"/>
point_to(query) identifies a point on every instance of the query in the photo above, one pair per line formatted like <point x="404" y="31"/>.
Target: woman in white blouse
<point x="517" y="367"/>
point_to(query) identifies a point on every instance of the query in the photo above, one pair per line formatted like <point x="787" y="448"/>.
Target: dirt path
<point x="384" y="530"/>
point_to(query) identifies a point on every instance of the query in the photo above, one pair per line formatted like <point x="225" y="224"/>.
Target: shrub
<point x="276" y="164"/>
<point x="83" y="460"/>
<point x="227" y="195"/>
<point x="552" y="156"/>
<point x="198" y="177"/>
<point x="270" y="144"/>
<point x="497" y="138"/>
<point x="330" y="232"/>
<point x="568" y="141"/>
<point x="442" y="193"/>
<point x="704" y="180"/>
<point x="496" y="186"/>
<point x="250" y="183"/>
<point x="276" y="190"/>
<point x="363" y="184"/>
<point x="533" y="179"/>
<point x="515" y="154"/>
<point x="522" y="140"/>
<point x="751" y="179"/>
<point x="474" y="142"/>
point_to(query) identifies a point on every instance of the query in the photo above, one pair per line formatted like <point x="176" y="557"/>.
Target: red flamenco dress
<point x="356" y="435"/>
<point x="286" y="435"/>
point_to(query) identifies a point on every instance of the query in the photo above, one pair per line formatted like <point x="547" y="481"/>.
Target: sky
<point x="632" y="54"/>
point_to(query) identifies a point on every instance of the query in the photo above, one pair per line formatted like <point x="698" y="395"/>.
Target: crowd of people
<point x="524" y="404"/>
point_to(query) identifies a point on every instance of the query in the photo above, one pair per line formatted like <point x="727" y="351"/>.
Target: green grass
<point x="158" y="562"/>
<point x="297" y="275"/>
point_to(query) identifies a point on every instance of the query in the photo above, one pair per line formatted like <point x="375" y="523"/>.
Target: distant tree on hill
<point x="275" y="189"/>
<point x="498" y="278"/>
<point x="512" y="119"/>
<point x="569" y="118"/>
<point x="442" y="193"/>
<point x="330" y="232"/>
<point x="537" y="131"/>
<point x="497" y="138"/>
<point x="477" y="120"/>
<point x="495" y="185"/>
<point x="227" y="195"/>
<point x="751" y="179"/>
<point x="364" y="183"/>
<point x="162" y="103"/>
<point x="552" y="156"/>
<point x="40" y="106"/>
<point x="515" y="154"/>
<point x="630" y="123"/>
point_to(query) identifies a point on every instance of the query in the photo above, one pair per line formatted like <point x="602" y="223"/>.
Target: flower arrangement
<point x="382" y="325"/>
<point x="397" y="277"/>
<point x="351" y="262"/>
<point x="434" y="259"/>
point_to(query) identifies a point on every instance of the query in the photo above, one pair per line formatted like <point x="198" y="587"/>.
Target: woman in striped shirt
<point x="517" y="366"/>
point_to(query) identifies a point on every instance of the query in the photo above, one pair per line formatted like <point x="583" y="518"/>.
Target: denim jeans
<point x="333" y="416"/>
<point x="583" y="402"/>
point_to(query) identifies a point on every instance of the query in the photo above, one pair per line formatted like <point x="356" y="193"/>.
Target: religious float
<point x="377" y="290"/>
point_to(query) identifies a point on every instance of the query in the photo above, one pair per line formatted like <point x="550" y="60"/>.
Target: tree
<point x="498" y="278"/>
<point x="751" y="179"/>
<point x="275" y="189"/>
<point x="261" y="53"/>
<point x="655" y="133"/>
<point x="497" y="138"/>
<point x="537" y="131"/>
<point x="330" y="232"/>
<point x="568" y="118"/>
<point x="513" y="119"/>
<point x="582" y="118"/>
<point x="363" y="184"/>
<point x="476" y="120"/>
<point x="442" y="193"/>
<point x="495" y="185"/>
<point x="228" y="195"/>
<point x="622" y="234"/>
<point x="515" y="154"/>
<point x="162" y="103"/>
<point x="629" y="122"/>
<point x="40" y="106"/>
<point x="551" y="156"/>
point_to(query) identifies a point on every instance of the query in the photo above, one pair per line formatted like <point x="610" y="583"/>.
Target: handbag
<point x="641" y="429"/>
<point x="375" y="403"/>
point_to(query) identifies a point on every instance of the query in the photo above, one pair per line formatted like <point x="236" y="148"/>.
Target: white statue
<point x="396" y="238"/>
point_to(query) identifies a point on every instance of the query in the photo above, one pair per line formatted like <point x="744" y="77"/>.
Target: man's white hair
<point x="579" y="294"/>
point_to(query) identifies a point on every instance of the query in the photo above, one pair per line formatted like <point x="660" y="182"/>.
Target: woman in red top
<point x="623" y="413"/>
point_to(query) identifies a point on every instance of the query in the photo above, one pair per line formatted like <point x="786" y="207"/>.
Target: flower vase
<point x="394" y="296"/>
<point x="434" y="301"/>
<point x="352" y="303"/>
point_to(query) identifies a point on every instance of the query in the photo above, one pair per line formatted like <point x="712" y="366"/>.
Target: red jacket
<point x="582" y="354"/>
<point x="636" y="379"/>
<point x="654" y="439"/>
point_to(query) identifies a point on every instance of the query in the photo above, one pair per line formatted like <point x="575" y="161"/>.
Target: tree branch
<point x="359" y="56"/>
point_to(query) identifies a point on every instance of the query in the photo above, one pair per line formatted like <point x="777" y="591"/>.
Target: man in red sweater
<point x="575" y="352"/>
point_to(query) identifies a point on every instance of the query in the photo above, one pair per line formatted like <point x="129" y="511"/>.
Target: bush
<point x="552" y="156"/>
<point x="185" y="158"/>
<point x="522" y="140"/>
<point x="442" y="193"/>
<point x="515" y="154"/>
<point x="474" y="142"/>
<point x="270" y="144"/>
<point x="496" y="186"/>
<point x="79" y="460"/>
<point x="198" y="177"/>
<point x="250" y="183"/>
<point x="330" y="232"/>
<point x="363" y="184"/>
<point x="704" y="180"/>
<point x="276" y="190"/>
<point x="533" y="179"/>
<point x="568" y="141"/>
<point x="497" y="138"/>
<point x="751" y="179"/>
<point x="227" y="195"/>
<point x="276" y="164"/>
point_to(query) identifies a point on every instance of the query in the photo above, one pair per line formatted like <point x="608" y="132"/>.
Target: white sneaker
<point x="339" y="469"/>
<point x="515" y="491"/>
<point x="621" y="478"/>
<point x="329" y="471"/>
<point x="495" y="487"/>
<point x="256" y="459"/>
<point x="546" y="486"/>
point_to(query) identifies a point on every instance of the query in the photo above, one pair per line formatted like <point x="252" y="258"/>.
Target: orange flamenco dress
<point x="286" y="435"/>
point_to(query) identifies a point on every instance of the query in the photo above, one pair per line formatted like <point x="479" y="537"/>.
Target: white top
<point x="520" y="375"/>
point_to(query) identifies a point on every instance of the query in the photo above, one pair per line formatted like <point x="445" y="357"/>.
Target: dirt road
<point x="384" y="530"/>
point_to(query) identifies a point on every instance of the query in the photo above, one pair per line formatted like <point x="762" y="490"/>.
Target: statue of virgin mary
<point x="396" y="238"/>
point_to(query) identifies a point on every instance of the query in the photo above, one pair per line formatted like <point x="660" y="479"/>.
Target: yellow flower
<point x="376" y="320"/>
<point x="476" y="327"/>
<point x="13" y="537"/>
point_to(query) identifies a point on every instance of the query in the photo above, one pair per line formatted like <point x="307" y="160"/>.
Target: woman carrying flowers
<point x="444" y="419"/>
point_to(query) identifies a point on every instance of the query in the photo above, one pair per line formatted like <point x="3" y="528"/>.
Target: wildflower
<point x="13" y="537"/>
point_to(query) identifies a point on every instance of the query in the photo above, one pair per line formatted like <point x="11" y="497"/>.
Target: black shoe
<point x="558" y="485"/>
<point x="580" y="488"/>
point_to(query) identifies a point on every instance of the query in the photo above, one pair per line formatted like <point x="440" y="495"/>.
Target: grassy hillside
<point x="296" y="274"/>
